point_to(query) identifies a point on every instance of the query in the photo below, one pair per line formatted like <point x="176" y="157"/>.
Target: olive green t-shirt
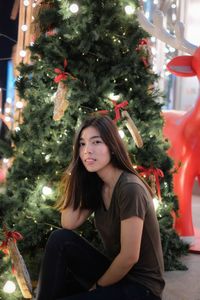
<point x="131" y="198"/>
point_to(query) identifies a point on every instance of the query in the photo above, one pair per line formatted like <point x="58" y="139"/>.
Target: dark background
<point x="9" y="28"/>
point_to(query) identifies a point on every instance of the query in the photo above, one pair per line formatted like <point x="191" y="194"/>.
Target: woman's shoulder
<point x="128" y="177"/>
<point x="132" y="182"/>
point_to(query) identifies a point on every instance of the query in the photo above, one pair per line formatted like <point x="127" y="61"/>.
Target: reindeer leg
<point x="183" y="184"/>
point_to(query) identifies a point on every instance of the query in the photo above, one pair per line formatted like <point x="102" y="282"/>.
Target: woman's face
<point x="94" y="153"/>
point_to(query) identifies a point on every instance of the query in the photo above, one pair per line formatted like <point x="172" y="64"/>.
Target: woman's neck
<point x="110" y="176"/>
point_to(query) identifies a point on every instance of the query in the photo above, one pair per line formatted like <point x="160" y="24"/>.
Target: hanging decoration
<point x="144" y="50"/>
<point x="132" y="129"/>
<point x="59" y="98"/>
<point x="153" y="174"/>
<point x="9" y="247"/>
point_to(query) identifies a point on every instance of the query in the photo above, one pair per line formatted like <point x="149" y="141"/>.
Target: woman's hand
<point x="93" y="287"/>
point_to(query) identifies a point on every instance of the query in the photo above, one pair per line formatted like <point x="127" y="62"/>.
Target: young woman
<point x="101" y="180"/>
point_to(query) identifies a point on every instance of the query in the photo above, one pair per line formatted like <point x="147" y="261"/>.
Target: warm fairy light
<point x="153" y="39"/>
<point x="155" y="203"/>
<point x="114" y="97"/>
<point x="121" y="133"/>
<point x="17" y="128"/>
<point x="47" y="157"/>
<point x="9" y="287"/>
<point x="24" y="27"/>
<point x="19" y="104"/>
<point x="129" y="9"/>
<point x="46" y="191"/>
<point x="22" y="53"/>
<point x="74" y="8"/>
<point x="7" y="110"/>
<point x="7" y="118"/>
<point x="5" y="160"/>
<point x="26" y="2"/>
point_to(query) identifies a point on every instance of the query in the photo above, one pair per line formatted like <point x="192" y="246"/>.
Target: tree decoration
<point x="9" y="247"/>
<point x="144" y="51"/>
<point x="147" y="172"/>
<point x="132" y="129"/>
<point x="59" y="98"/>
<point x="60" y="102"/>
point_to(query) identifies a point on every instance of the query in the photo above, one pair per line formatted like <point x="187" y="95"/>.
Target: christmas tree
<point x="90" y="57"/>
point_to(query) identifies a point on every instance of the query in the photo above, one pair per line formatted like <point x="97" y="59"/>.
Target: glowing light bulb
<point x="155" y="203"/>
<point x="121" y="133"/>
<point x="17" y="128"/>
<point x="113" y="96"/>
<point x="129" y="9"/>
<point x="7" y="110"/>
<point x="74" y="8"/>
<point x="5" y="160"/>
<point x="9" y="287"/>
<point x="19" y="104"/>
<point x="7" y="118"/>
<point x="24" y="27"/>
<point x="26" y="2"/>
<point x="46" y="191"/>
<point x="22" y="53"/>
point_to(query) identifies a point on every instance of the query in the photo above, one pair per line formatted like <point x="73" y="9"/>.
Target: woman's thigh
<point x="84" y="261"/>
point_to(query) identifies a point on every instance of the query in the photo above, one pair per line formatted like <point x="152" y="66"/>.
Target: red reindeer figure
<point x="182" y="129"/>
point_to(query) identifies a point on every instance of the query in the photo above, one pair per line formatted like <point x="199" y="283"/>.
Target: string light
<point x="26" y="3"/>
<point x="121" y="133"/>
<point x="19" y="104"/>
<point x="113" y="96"/>
<point x="24" y="27"/>
<point x="22" y="53"/>
<point x="46" y="191"/>
<point x="129" y="9"/>
<point x="9" y="287"/>
<point x="74" y="8"/>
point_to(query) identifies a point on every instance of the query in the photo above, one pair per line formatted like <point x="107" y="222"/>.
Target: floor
<point x="185" y="285"/>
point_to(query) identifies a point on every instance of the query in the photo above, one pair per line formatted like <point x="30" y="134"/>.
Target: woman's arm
<point x="72" y="219"/>
<point x="131" y="234"/>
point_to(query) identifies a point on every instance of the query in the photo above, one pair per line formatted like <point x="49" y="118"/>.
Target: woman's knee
<point x="60" y="236"/>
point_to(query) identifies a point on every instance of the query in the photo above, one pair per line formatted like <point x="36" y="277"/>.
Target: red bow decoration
<point x="117" y="108"/>
<point x="143" y="44"/>
<point x="62" y="75"/>
<point x="15" y="235"/>
<point x="152" y="171"/>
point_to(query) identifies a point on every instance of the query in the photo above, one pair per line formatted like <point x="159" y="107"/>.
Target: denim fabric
<point x="71" y="266"/>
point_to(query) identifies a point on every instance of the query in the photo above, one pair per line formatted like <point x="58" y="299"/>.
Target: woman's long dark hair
<point x="81" y="188"/>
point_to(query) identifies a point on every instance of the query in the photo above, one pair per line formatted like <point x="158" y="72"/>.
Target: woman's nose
<point x="88" y="149"/>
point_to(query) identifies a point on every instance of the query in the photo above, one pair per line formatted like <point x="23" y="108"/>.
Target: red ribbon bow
<point x="15" y="235"/>
<point x="116" y="108"/>
<point x="62" y="75"/>
<point x="152" y="171"/>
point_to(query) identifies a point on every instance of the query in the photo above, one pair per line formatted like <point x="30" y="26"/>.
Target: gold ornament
<point x="60" y="102"/>
<point x="132" y="129"/>
<point x="21" y="272"/>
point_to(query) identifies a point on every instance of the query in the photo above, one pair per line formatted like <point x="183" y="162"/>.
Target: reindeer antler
<point x="157" y="29"/>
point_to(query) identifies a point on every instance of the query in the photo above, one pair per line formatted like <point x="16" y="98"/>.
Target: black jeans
<point x="71" y="266"/>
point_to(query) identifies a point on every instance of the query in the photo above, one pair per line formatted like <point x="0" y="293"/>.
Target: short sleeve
<point x="133" y="201"/>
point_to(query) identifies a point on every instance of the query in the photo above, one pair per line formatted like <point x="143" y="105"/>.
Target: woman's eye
<point x="81" y="144"/>
<point x="97" y="142"/>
